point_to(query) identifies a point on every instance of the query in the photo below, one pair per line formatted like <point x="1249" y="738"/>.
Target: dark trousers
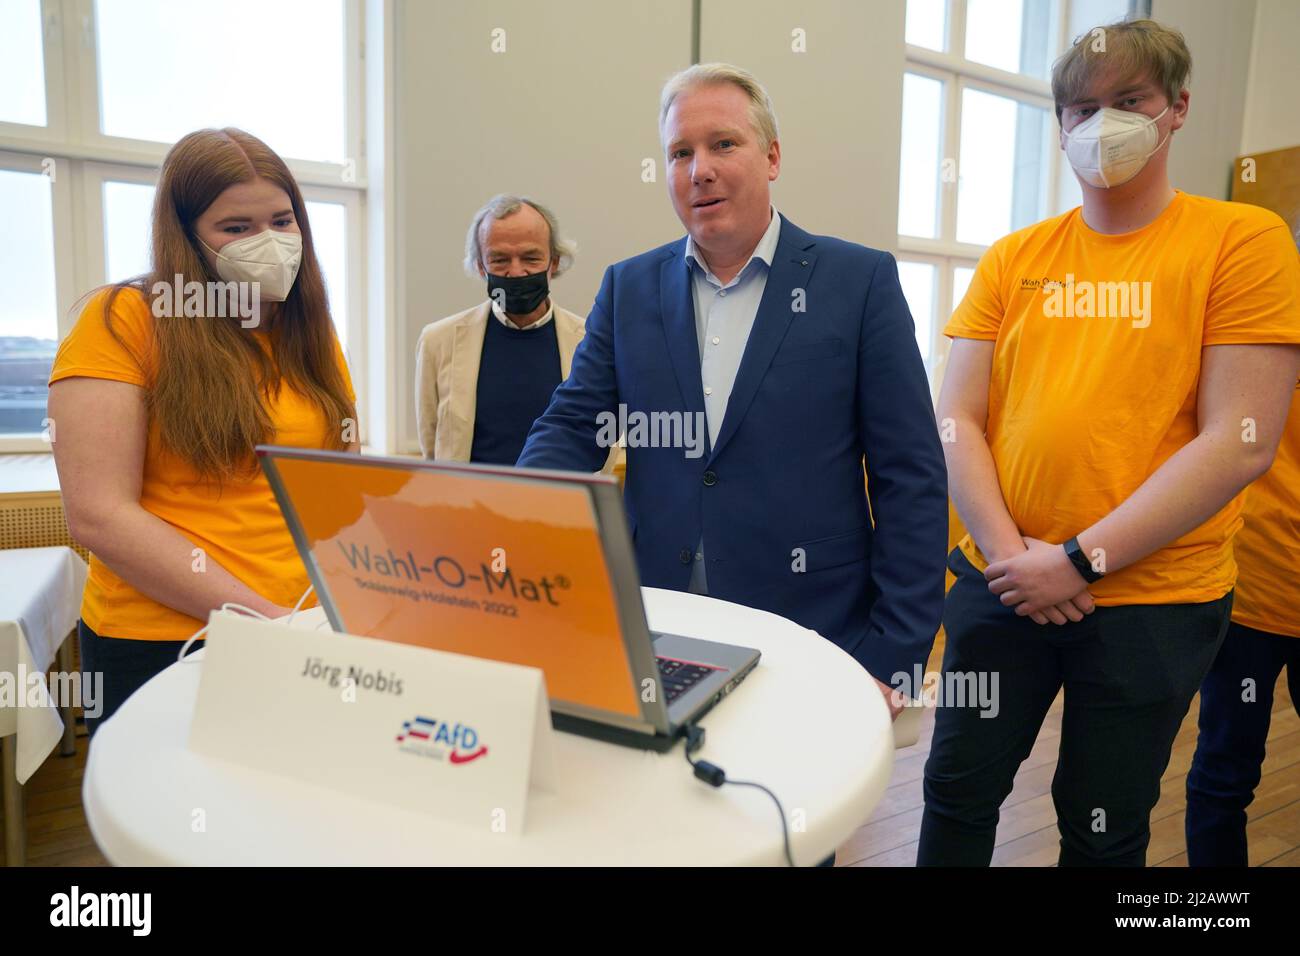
<point x="123" y="666"/>
<point x="1129" y="675"/>
<point x="1234" y="723"/>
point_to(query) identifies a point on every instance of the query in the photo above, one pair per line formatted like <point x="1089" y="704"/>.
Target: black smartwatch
<point x="1081" y="562"/>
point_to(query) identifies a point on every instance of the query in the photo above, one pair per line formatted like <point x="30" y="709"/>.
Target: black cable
<point x="715" y="776"/>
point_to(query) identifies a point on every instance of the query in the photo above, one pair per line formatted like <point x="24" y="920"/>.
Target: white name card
<point x="455" y="737"/>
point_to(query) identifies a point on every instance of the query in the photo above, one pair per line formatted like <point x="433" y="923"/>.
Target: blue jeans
<point x="1230" y="748"/>
<point x="125" y="666"/>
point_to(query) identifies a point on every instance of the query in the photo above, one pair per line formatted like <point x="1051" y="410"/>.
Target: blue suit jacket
<point x="817" y="390"/>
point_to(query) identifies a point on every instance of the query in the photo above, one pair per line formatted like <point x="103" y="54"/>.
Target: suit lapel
<point x="792" y="268"/>
<point x="568" y="333"/>
<point x="466" y="356"/>
<point x="677" y="306"/>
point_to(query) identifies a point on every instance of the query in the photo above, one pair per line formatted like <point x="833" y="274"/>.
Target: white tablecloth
<point x="40" y="600"/>
<point x="809" y="723"/>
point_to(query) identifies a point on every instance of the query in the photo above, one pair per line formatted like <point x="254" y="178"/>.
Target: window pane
<point x="1018" y="36"/>
<point x="129" y="206"/>
<point x="1068" y="193"/>
<point x="329" y="233"/>
<point x="917" y="280"/>
<point x="961" y="277"/>
<point x="272" y="67"/>
<point x="918" y="178"/>
<point x="29" y="325"/>
<point x="927" y="23"/>
<point x="127" y="212"/>
<point x="22" y="63"/>
<point x="1003" y="180"/>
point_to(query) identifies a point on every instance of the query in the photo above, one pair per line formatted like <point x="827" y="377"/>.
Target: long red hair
<point x="208" y="375"/>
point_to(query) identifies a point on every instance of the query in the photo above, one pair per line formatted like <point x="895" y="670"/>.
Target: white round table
<point x="809" y="723"/>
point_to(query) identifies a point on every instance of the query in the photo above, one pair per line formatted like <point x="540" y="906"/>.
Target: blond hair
<point x="1138" y="49"/>
<point x="762" y="117"/>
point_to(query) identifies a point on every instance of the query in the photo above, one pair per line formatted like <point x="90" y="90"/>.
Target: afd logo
<point x="455" y="743"/>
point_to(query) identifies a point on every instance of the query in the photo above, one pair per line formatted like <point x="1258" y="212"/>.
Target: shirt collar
<point x="505" y="320"/>
<point x="765" y="251"/>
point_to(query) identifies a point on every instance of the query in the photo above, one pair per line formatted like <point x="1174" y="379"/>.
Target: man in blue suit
<point x="797" y="355"/>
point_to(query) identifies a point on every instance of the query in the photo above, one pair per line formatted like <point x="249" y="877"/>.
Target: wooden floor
<point x="1027" y="834"/>
<point x="57" y="834"/>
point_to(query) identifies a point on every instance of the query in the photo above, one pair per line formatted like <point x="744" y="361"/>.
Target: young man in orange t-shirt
<point x="1262" y="640"/>
<point x="1117" y="376"/>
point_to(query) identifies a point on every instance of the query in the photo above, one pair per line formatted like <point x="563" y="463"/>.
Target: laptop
<point x="513" y="564"/>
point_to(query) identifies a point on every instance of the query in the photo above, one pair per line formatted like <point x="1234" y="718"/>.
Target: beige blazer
<point x="446" y="377"/>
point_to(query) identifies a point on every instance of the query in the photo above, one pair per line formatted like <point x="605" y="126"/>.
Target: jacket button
<point x="710" y="479"/>
<point x="685" y="556"/>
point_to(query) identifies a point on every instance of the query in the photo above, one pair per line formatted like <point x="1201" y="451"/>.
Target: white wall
<point x="1272" y="116"/>
<point x="1244" y="84"/>
<point x="1219" y="34"/>
<point x="838" y="105"/>
<point x="566" y="114"/>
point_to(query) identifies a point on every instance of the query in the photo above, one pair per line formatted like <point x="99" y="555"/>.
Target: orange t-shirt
<point x="1097" y="362"/>
<point x="1268" y="545"/>
<point x="239" y="528"/>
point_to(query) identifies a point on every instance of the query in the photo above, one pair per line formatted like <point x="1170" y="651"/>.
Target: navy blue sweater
<point x="519" y="370"/>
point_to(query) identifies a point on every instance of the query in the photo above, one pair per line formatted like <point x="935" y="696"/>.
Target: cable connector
<point x="694" y="739"/>
<point x="715" y="777"/>
<point x="711" y="774"/>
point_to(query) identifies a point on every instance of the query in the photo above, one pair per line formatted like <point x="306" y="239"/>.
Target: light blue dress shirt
<point x="724" y="317"/>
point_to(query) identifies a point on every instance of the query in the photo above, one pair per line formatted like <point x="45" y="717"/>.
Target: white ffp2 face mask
<point x="1111" y="146"/>
<point x="269" y="258"/>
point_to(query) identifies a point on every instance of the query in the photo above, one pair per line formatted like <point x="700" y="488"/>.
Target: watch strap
<point x="1080" y="561"/>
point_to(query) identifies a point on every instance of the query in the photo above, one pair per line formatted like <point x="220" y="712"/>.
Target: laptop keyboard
<point x="678" y="677"/>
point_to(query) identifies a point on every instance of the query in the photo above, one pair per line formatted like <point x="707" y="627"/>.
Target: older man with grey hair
<point x="485" y="374"/>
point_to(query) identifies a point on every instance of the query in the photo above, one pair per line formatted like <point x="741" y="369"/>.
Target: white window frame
<point x="65" y="262"/>
<point x="957" y="75"/>
<point x="354" y="309"/>
<point x="942" y="298"/>
<point x="84" y="158"/>
<point x="93" y="177"/>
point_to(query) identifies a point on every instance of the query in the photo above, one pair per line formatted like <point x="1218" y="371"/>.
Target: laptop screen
<point x="500" y="566"/>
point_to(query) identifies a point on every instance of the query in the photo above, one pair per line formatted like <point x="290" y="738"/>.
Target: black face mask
<point x="518" y="295"/>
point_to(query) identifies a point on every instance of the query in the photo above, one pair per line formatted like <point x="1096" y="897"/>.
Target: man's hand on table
<point x="893" y="699"/>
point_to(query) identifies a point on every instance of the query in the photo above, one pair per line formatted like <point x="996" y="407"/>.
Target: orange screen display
<point x="479" y="565"/>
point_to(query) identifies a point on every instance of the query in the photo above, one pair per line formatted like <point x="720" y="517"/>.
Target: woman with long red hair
<point x="163" y="388"/>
